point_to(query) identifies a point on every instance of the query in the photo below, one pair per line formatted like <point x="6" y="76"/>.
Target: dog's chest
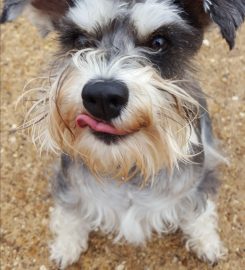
<point x="129" y="210"/>
<point x="115" y="195"/>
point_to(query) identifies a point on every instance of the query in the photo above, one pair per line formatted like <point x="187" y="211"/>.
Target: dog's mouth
<point x="102" y="130"/>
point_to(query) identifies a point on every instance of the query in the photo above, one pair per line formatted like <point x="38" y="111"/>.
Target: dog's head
<point x="119" y="95"/>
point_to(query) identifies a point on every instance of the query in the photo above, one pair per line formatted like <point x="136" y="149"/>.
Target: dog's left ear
<point x="42" y="13"/>
<point x="227" y="14"/>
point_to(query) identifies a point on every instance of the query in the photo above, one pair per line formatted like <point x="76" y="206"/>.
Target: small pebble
<point x="42" y="267"/>
<point x="120" y="266"/>
<point x="16" y="263"/>
<point x="12" y="140"/>
<point x="234" y="220"/>
<point x="206" y="42"/>
<point x="44" y="221"/>
<point x="175" y="259"/>
<point x="235" y="98"/>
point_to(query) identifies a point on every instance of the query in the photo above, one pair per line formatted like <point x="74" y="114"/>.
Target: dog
<point x="123" y="108"/>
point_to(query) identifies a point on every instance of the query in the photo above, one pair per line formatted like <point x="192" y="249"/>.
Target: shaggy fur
<point x="154" y="171"/>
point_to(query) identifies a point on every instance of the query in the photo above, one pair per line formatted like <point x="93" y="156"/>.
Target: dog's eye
<point x="158" y="43"/>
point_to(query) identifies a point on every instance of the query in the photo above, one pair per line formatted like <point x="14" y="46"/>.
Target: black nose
<point x="105" y="99"/>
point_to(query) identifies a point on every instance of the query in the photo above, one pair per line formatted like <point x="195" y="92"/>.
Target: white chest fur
<point x="128" y="210"/>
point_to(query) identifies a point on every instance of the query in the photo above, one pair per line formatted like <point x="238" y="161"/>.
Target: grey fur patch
<point x="198" y="154"/>
<point x="209" y="183"/>
<point x="62" y="186"/>
<point x="65" y="163"/>
<point x="205" y="121"/>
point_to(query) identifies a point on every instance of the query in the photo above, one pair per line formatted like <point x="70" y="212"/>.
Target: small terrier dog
<point x="123" y="107"/>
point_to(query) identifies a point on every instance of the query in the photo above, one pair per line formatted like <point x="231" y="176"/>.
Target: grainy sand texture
<point x="25" y="198"/>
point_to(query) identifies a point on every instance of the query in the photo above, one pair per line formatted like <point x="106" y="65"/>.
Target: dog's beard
<point x="157" y="117"/>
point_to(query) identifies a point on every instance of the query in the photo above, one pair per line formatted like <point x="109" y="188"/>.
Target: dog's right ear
<point x="42" y="13"/>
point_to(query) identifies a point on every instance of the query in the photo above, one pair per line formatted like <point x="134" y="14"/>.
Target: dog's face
<point x="114" y="97"/>
<point x="111" y="102"/>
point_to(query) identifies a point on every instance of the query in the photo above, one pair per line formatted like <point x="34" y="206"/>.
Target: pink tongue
<point x="84" y="120"/>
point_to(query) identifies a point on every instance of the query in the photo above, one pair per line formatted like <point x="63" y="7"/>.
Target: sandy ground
<point x="25" y="198"/>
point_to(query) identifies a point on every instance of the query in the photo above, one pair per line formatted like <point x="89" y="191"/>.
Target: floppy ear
<point x="42" y="13"/>
<point x="227" y="14"/>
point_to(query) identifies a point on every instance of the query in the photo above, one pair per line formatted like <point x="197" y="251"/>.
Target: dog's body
<point x="122" y="104"/>
<point x="133" y="212"/>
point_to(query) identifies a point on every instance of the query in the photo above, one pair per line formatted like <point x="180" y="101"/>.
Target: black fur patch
<point x="71" y="36"/>
<point x="228" y="15"/>
<point x="109" y="138"/>
<point x="183" y="44"/>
